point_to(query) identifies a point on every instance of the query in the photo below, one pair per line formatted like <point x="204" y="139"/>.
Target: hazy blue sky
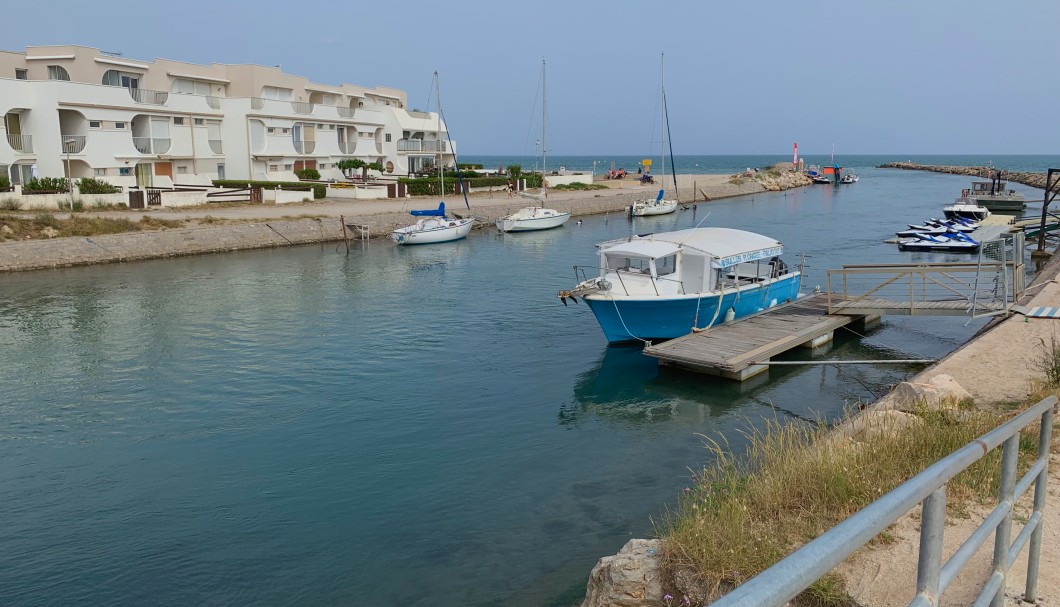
<point x="892" y="77"/>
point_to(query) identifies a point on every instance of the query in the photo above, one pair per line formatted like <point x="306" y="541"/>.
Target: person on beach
<point x="511" y="189"/>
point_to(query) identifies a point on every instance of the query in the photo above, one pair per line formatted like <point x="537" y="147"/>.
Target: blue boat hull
<point x="657" y="318"/>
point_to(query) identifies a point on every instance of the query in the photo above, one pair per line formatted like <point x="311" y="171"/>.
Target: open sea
<point x="399" y="426"/>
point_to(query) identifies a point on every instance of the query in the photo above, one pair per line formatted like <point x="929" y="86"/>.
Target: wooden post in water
<point x="345" y="236"/>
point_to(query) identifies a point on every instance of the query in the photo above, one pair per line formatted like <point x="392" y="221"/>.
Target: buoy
<point x="772" y="302"/>
<point x="730" y="314"/>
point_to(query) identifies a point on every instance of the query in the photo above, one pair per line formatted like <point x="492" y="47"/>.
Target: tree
<point x="347" y="164"/>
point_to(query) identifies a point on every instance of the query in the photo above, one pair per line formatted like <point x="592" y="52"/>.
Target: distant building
<point x="163" y="122"/>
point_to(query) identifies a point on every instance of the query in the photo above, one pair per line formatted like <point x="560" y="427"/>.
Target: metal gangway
<point x="985" y="287"/>
<point x="783" y="581"/>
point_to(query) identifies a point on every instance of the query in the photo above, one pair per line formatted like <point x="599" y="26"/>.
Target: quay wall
<point x="1034" y="180"/>
<point x="255" y="234"/>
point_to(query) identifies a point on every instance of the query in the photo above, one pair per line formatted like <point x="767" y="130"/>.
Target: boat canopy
<point x="439" y="212"/>
<point x="726" y="247"/>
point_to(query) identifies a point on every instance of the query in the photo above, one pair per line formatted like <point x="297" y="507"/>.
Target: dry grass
<point x="793" y="482"/>
<point x="44" y="224"/>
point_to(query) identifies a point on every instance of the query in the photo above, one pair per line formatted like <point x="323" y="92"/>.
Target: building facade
<point x="80" y="112"/>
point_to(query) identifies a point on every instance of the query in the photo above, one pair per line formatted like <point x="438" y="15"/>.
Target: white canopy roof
<point x="725" y="245"/>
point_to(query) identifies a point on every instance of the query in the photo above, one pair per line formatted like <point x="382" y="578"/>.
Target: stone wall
<point x="1035" y="180"/>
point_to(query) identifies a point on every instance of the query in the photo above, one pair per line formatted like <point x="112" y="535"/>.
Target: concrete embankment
<point x="254" y="226"/>
<point x="1035" y="180"/>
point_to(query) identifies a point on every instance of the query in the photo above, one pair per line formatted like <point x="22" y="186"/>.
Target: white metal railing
<point x="305" y="147"/>
<point x="73" y="144"/>
<point x="422" y="145"/>
<point x="213" y="102"/>
<point x="783" y="581"/>
<point x="151" y="145"/>
<point x="215" y="146"/>
<point x="257" y="103"/>
<point x="302" y="107"/>
<point x="20" y="143"/>
<point x="345" y="112"/>
<point x="148" y="96"/>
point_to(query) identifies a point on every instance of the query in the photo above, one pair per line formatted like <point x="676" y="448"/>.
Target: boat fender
<point x="730" y="314"/>
<point x="773" y="302"/>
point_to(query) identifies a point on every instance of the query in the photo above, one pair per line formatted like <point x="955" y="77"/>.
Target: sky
<point x="749" y="77"/>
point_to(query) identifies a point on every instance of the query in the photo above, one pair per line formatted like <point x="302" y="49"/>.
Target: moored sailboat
<point x="659" y="205"/>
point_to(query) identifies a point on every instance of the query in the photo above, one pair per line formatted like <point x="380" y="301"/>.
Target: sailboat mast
<point x="544" y="122"/>
<point x="662" y="118"/>
<point x="438" y="136"/>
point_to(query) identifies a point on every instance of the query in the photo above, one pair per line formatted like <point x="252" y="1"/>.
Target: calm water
<point x="413" y="426"/>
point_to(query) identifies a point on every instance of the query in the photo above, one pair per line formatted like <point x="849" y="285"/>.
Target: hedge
<point x="308" y="174"/>
<point x="320" y="190"/>
<point x="47" y="184"/>
<point x="428" y="186"/>
<point x="88" y="185"/>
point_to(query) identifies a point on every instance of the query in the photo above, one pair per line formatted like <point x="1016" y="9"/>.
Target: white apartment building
<point x="163" y="122"/>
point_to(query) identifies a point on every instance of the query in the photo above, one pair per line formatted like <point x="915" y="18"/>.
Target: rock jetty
<point x="1035" y="180"/>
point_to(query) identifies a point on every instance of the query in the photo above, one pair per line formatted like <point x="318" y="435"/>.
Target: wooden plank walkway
<point x="733" y="349"/>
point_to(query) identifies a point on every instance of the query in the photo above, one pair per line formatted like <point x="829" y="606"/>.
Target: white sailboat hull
<point x="532" y="218"/>
<point x="433" y="230"/>
<point x="652" y="207"/>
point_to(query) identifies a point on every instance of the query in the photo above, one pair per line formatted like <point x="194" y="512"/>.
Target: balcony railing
<point x="257" y="103"/>
<point x="151" y="145"/>
<point x="422" y="145"/>
<point x="213" y="102"/>
<point x="347" y="147"/>
<point x="345" y="112"/>
<point x="21" y="143"/>
<point x="305" y="147"/>
<point x="149" y="96"/>
<point x="301" y="107"/>
<point x="73" y="144"/>
<point x="215" y="146"/>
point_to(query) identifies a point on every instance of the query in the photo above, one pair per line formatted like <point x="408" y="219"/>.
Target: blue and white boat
<point x="661" y="286"/>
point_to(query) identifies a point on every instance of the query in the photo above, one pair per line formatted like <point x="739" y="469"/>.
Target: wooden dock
<point x="735" y="350"/>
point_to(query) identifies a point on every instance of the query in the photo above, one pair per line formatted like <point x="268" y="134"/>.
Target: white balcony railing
<point x="421" y="145"/>
<point x="148" y="96"/>
<point x="345" y="112"/>
<point x="151" y="145"/>
<point x="301" y="107"/>
<point x="305" y="147"/>
<point x="73" y="144"/>
<point x="21" y="143"/>
<point x="347" y="147"/>
<point x="215" y="146"/>
<point x="213" y="102"/>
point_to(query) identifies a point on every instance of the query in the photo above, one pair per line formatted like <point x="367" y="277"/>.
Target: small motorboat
<point x="950" y="242"/>
<point x="848" y="178"/>
<point x="652" y="206"/>
<point x="953" y="224"/>
<point x="433" y="226"/>
<point x="528" y="219"/>
<point x="820" y="179"/>
<point x="665" y="285"/>
<point x="966" y="207"/>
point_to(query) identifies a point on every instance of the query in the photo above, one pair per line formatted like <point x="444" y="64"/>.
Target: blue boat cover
<point x="439" y="212"/>
<point x="659" y="197"/>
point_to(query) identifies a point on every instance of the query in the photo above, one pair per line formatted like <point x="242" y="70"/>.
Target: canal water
<point x="400" y="426"/>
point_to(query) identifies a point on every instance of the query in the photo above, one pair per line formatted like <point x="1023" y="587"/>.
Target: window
<point x="100" y="172"/>
<point x="320" y="126"/>
<point x="182" y="170"/>
<point x="57" y="72"/>
<point x="665" y="265"/>
<point x="220" y="171"/>
<point x="199" y="122"/>
<point x="288" y="167"/>
<point x="21" y="74"/>
<point x="274" y="167"/>
<point x="285" y="131"/>
<point x="178" y="120"/>
<point x="93" y="124"/>
<point x="388" y="138"/>
<point x="184" y="86"/>
<point x="119" y="125"/>
<point x="125" y="171"/>
<point x="271" y="130"/>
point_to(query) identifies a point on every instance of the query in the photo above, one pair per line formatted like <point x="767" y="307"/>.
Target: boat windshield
<point x="625" y="263"/>
<point x="666" y="265"/>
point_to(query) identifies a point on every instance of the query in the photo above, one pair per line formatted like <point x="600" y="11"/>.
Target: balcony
<point x="73" y="144"/>
<point x="347" y="147"/>
<point x="422" y="145"/>
<point x="215" y="146"/>
<point x="214" y="102"/>
<point x="148" y="96"/>
<point x="305" y="147"/>
<point x="21" y="143"/>
<point x="151" y="145"/>
<point x="301" y="107"/>
<point x="345" y="112"/>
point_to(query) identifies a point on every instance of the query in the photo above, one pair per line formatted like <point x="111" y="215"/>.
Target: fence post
<point x="932" y="525"/>
<point x="1035" y="549"/>
<point x="1003" y="536"/>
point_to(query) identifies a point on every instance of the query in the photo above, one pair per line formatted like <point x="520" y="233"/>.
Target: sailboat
<point x="532" y="218"/>
<point x="659" y="205"/>
<point x="434" y="225"/>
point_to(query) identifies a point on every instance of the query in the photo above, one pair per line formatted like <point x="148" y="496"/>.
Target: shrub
<point x="578" y="186"/>
<point x="350" y="163"/>
<point x="308" y="174"/>
<point x="294" y="186"/>
<point x="47" y="184"/>
<point x="468" y="166"/>
<point x="77" y="205"/>
<point x="10" y="204"/>
<point x="88" y="185"/>
<point x="515" y="170"/>
<point x="320" y="190"/>
<point x="5" y="183"/>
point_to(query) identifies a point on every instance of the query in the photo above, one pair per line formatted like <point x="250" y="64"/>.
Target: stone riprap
<point x="1035" y="180"/>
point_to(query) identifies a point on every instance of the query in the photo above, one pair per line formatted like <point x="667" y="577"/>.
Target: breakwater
<point x="1034" y="180"/>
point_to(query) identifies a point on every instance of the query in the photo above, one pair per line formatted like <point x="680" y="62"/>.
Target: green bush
<point x="47" y="184"/>
<point x="320" y="190"/>
<point x="350" y="163"/>
<point x="88" y="185"/>
<point x="308" y="174"/>
<point x="578" y="186"/>
<point x="515" y="170"/>
<point x="468" y="167"/>
<point x="5" y="184"/>
<point x="428" y="186"/>
<point x="293" y="186"/>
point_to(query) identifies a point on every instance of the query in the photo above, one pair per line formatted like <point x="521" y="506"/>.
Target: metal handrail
<point x="302" y="107"/>
<point x="148" y="96"/>
<point x="73" y="144"/>
<point x="20" y="143"/>
<point x="785" y="580"/>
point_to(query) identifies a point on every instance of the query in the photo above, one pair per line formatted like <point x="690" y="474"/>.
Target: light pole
<point x="69" y="175"/>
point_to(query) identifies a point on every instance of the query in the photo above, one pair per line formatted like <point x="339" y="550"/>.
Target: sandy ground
<point x="999" y="366"/>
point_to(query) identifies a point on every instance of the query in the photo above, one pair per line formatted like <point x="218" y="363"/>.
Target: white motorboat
<point x="966" y="207"/>
<point x="849" y="178"/>
<point x="661" y="286"/>
<point x="432" y="227"/>
<point x="652" y="206"/>
<point x="950" y="242"/>
<point x="527" y="219"/>
<point x="532" y="218"/>
<point x="994" y="195"/>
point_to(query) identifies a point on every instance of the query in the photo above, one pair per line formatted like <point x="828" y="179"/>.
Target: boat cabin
<point x="690" y="261"/>
<point x="989" y="188"/>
